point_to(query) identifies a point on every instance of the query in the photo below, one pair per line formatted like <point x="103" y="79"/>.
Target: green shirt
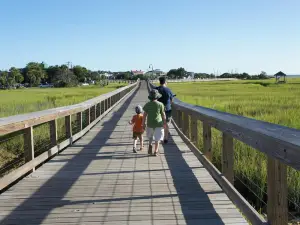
<point x="154" y="109"/>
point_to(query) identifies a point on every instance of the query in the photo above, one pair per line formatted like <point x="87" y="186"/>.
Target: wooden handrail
<point x="14" y="123"/>
<point x="281" y="145"/>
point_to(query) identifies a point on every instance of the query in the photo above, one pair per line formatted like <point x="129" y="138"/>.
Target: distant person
<point x="166" y="98"/>
<point x="156" y="121"/>
<point x="138" y="129"/>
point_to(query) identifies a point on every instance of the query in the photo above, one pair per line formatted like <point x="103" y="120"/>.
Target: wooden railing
<point x="86" y="115"/>
<point x="280" y="144"/>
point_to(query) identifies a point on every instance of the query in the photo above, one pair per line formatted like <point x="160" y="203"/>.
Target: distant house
<point x="137" y="72"/>
<point x="156" y="72"/>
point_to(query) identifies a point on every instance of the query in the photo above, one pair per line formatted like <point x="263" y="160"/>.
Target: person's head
<point x="138" y="109"/>
<point x="162" y="81"/>
<point x="154" y="95"/>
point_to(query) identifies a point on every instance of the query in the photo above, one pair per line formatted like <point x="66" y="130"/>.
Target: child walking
<point x="138" y="129"/>
<point x="154" y="112"/>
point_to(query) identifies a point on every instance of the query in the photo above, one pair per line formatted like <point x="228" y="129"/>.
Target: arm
<point x="144" y="119"/>
<point x="132" y="121"/>
<point x="163" y="115"/>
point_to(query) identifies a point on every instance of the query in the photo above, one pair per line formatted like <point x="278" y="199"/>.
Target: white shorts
<point x="156" y="134"/>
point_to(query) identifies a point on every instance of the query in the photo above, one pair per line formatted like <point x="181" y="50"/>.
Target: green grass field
<point x="262" y="100"/>
<point x="13" y="102"/>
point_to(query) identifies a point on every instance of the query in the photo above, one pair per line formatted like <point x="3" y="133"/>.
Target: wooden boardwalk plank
<point x="98" y="180"/>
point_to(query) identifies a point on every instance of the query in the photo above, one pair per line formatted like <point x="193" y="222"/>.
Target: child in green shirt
<point x="156" y="120"/>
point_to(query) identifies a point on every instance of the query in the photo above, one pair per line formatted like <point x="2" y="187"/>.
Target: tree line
<point x="36" y="73"/>
<point x="181" y="73"/>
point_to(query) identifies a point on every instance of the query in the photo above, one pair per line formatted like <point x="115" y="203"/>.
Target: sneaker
<point x="166" y="141"/>
<point x="134" y="150"/>
<point x="150" y="150"/>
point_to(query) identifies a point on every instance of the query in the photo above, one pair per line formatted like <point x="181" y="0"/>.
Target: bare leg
<point x="141" y="142"/>
<point x="156" y="147"/>
<point x="134" y="145"/>
<point x="150" y="147"/>
<point x="166" y="132"/>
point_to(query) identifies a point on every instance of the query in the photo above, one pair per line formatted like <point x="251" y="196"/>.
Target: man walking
<point x="166" y="98"/>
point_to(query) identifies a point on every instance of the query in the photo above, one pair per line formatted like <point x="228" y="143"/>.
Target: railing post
<point x="29" y="145"/>
<point x="79" y="121"/>
<point x="93" y="114"/>
<point x="186" y="123"/>
<point x="68" y="125"/>
<point x="53" y="132"/>
<point x="207" y="141"/>
<point x="98" y="108"/>
<point x="179" y="119"/>
<point x="194" y="130"/>
<point x="105" y="105"/>
<point x="277" y="209"/>
<point x="227" y="158"/>
<point x="87" y="116"/>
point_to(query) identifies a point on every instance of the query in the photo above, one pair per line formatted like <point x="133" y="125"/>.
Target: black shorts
<point x="136" y="135"/>
<point x="168" y="116"/>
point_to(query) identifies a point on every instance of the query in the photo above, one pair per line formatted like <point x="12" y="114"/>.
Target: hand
<point x="130" y="122"/>
<point x="165" y="125"/>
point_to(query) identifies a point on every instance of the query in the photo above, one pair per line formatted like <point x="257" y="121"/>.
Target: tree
<point x="35" y="73"/>
<point x="179" y="73"/>
<point x="16" y="75"/>
<point x="81" y="73"/>
<point x="65" y="78"/>
<point x="51" y="73"/>
<point x="95" y="76"/>
<point x="3" y="78"/>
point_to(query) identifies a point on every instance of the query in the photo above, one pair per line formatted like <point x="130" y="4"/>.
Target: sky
<point x="212" y="36"/>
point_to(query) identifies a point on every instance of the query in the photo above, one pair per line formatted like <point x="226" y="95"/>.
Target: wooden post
<point x="207" y="141"/>
<point x="87" y="116"/>
<point x="194" y="130"/>
<point x="227" y="158"/>
<point x="277" y="209"/>
<point x="186" y="123"/>
<point x="28" y="144"/>
<point x="98" y="109"/>
<point x="53" y="132"/>
<point x="179" y="118"/>
<point x="105" y="105"/>
<point x="79" y="120"/>
<point x="68" y="124"/>
<point x="93" y="113"/>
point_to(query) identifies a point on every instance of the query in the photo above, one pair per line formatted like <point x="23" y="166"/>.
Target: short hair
<point x="162" y="80"/>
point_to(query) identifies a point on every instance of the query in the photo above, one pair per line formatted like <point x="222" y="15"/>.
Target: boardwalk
<point x="98" y="180"/>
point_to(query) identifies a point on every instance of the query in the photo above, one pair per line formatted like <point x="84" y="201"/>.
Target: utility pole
<point x="69" y="63"/>
<point x="152" y="70"/>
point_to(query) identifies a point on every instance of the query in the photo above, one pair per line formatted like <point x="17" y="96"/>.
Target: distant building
<point x="137" y="72"/>
<point x="156" y="72"/>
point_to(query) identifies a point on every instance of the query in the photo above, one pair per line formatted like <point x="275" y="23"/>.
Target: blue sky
<point x="201" y="36"/>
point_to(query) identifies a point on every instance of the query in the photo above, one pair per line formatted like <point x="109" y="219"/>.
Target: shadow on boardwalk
<point x="193" y="199"/>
